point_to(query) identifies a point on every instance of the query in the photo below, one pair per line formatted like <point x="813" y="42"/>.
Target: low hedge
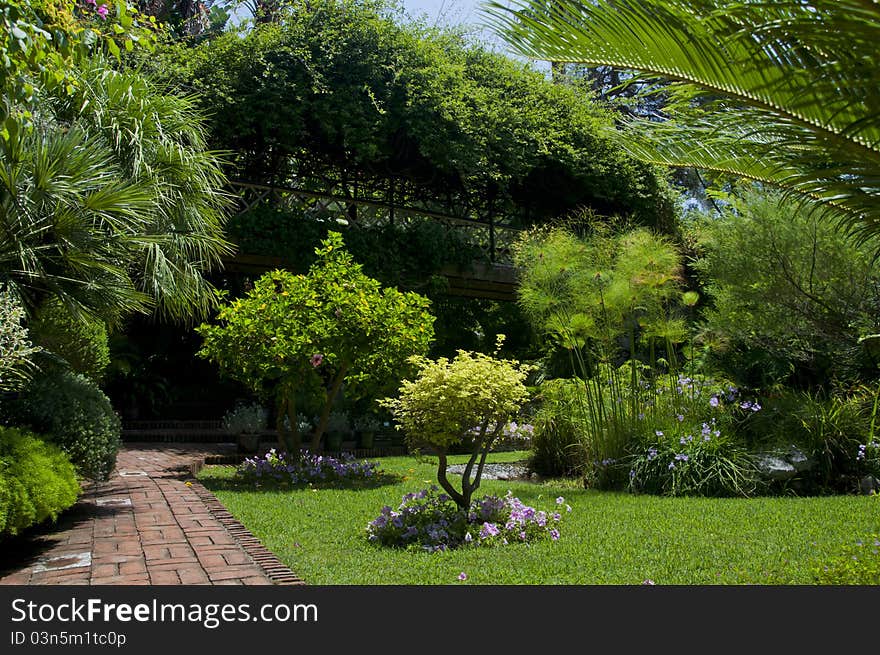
<point x="37" y="481"/>
<point x="73" y="413"/>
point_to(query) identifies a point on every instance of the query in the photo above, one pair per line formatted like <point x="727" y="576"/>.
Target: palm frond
<point x="785" y="92"/>
<point x="158" y="139"/>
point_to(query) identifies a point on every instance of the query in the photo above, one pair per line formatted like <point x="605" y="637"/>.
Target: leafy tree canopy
<point x="334" y="323"/>
<point x="472" y="395"/>
<point x="336" y="86"/>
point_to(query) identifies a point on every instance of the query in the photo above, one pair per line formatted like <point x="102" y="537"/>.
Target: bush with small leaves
<point x="442" y="406"/>
<point x="73" y="413"/>
<point x="16" y="349"/>
<point x="37" y="481"/>
<point x="81" y="342"/>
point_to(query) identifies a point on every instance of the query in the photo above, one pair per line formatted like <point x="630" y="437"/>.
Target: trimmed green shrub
<point x="81" y="342"/>
<point x="74" y="413"/>
<point x="37" y="481"/>
<point x="824" y="286"/>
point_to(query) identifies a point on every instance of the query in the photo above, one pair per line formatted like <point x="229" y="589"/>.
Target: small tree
<point x="473" y="395"/>
<point x="331" y="326"/>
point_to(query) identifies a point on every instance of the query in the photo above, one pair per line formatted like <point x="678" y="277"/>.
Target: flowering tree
<point x="449" y="399"/>
<point x="331" y="326"/>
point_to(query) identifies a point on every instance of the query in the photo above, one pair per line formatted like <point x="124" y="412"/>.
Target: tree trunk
<point x="328" y="404"/>
<point x="447" y="485"/>
<point x="287" y="407"/>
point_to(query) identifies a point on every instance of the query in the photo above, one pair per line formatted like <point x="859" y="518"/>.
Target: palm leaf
<point x="784" y="92"/>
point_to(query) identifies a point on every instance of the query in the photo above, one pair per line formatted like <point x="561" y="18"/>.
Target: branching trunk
<point x="446" y="484"/>
<point x="482" y="446"/>
<point x="288" y="440"/>
<point x="335" y="385"/>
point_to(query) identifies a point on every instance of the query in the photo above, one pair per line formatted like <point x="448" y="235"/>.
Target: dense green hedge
<point x="37" y="481"/>
<point x="82" y="343"/>
<point x="339" y="86"/>
<point x="73" y="413"/>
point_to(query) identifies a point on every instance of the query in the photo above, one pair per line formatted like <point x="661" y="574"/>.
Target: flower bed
<point x="275" y="467"/>
<point x="431" y="521"/>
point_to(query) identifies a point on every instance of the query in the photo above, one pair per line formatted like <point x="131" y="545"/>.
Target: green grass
<point x="608" y="538"/>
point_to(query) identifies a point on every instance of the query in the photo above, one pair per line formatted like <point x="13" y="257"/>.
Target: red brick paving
<point x="167" y="535"/>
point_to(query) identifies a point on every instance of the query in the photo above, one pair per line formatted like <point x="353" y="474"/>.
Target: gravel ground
<point x="506" y="471"/>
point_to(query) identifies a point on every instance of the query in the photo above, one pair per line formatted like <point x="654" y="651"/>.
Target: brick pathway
<point x="150" y="523"/>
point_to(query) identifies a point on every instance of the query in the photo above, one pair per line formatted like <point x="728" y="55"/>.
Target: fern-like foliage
<point x="786" y="92"/>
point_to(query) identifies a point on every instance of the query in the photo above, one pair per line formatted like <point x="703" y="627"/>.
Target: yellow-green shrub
<point x="471" y="396"/>
<point x="37" y="481"/>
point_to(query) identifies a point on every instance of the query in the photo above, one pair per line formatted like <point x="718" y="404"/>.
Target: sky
<point x="452" y="12"/>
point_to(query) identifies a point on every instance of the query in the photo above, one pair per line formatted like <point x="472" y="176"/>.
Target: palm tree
<point x="785" y="93"/>
<point x="111" y="203"/>
<point x="67" y="213"/>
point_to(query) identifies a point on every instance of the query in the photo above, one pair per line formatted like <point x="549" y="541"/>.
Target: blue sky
<point x="452" y="12"/>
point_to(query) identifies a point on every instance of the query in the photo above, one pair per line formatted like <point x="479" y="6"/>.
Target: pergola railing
<point x="363" y="207"/>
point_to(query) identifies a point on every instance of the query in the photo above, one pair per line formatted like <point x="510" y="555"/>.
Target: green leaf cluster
<point x="333" y="325"/>
<point x="452" y="397"/>
<point x="790" y="296"/>
<point x="339" y="87"/>
<point x="37" y="481"/>
<point x="16" y="348"/>
<point x="81" y="343"/>
<point x="586" y="293"/>
<point x="42" y="40"/>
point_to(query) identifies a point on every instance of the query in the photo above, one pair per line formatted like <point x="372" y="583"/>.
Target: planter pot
<point x="248" y="442"/>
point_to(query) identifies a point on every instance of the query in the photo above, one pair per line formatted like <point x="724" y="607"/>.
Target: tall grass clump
<point x="614" y="304"/>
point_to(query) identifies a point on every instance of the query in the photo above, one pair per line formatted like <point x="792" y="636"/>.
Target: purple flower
<point x="560" y="500"/>
<point x="488" y="530"/>
<point x="713" y="401"/>
<point x="462" y="576"/>
<point x="316" y="360"/>
<point x="554" y="534"/>
<point x="103" y="11"/>
<point x="649" y="582"/>
<point x="659" y="433"/>
<point x="680" y="418"/>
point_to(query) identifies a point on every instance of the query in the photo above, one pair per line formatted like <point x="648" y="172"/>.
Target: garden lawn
<point x="608" y="538"/>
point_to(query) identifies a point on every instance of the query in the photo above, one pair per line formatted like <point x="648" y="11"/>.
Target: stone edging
<point x="273" y="567"/>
